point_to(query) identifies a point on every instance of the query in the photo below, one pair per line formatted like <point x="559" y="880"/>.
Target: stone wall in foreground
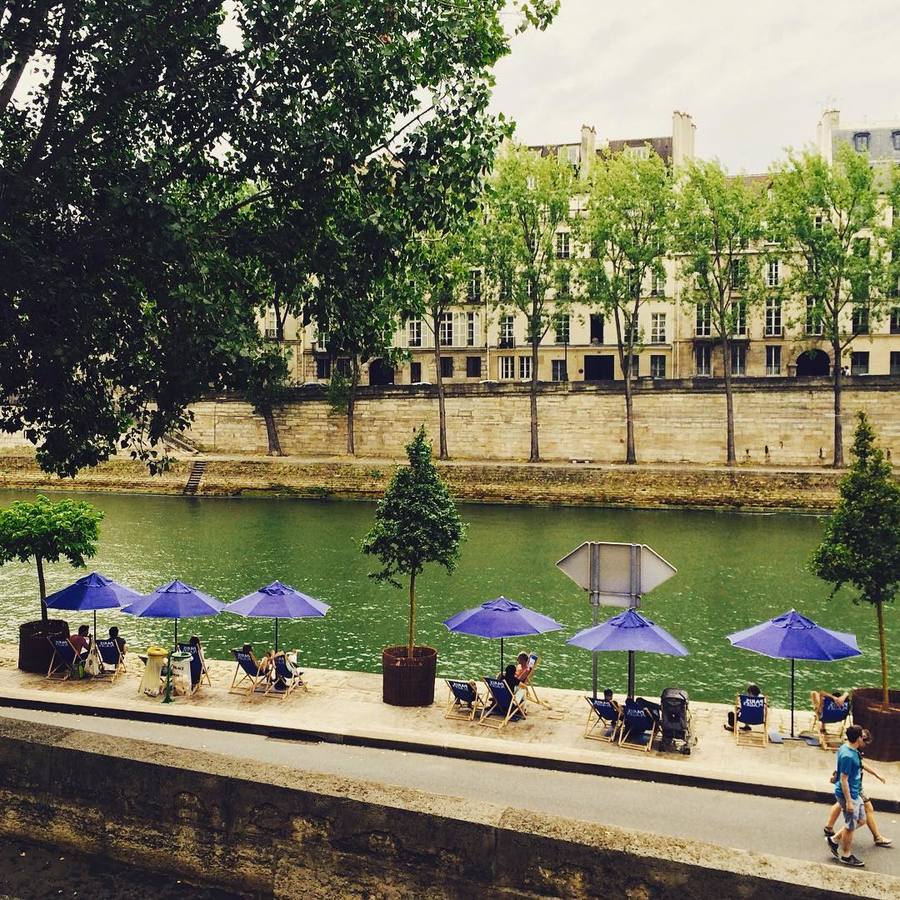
<point x="779" y="422"/>
<point x="276" y="832"/>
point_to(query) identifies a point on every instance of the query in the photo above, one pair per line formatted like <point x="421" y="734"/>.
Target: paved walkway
<point x="346" y="707"/>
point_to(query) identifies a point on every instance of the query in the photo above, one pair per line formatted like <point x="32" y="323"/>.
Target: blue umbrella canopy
<point x="175" y="600"/>
<point x="628" y="630"/>
<point x="501" y="618"/>
<point x="93" y="592"/>
<point x="278" y="601"/>
<point x="792" y="636"/>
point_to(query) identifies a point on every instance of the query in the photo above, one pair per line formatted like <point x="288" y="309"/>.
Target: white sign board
<point x="614" y="576"/>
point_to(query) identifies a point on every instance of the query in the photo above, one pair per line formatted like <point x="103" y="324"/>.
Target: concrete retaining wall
<point x="272" y="831"/>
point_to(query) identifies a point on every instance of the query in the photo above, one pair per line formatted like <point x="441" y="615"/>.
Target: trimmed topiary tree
<point x="861" y="546"/>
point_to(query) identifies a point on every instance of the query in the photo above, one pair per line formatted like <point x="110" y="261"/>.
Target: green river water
<point x="733" y="570"/>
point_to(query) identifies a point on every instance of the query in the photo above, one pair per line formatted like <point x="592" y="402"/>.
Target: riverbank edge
<point x="280" y="831"/>
<point x="542" y="484"/>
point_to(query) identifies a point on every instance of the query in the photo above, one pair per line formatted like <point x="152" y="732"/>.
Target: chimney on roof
<point x="588" y="150"/>
<point x="830" y="121"/>
<point x="683" y="130"/>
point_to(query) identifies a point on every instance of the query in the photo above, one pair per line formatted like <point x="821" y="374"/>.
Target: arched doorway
<point x="813" y="363"/>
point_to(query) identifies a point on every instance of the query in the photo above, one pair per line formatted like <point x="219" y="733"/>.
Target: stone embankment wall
<point x="780" y="422"/>
<point x="271" y="831"/>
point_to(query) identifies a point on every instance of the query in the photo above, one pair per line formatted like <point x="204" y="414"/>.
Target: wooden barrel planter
<point x="883" y="723"/>
<point x="34" y="648"/>
<point x="405" y="681"/>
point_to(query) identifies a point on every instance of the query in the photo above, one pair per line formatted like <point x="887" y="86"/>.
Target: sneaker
<point x="852" y="861"/>
<point x="832" y="845"/>
<point x="883" y="842"/>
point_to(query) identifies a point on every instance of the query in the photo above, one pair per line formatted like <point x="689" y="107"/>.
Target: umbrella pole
<point x="631" y="674"/>
<point x="792" y="696"/>
<point x="95" y="624"/>
<point x="501" y="656"/>
<point x="176" y="632"/>
<point x="276" y="634"/>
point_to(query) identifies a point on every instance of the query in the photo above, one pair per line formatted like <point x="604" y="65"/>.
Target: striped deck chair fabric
<point x="753" y="712"/>
<point x="638" y="728"/>
<point x="251" y="674"/>
<point x="112" y="656"/>
<point x="502" y="705"/>
<point x="465" y="702"/>
<point x="604" y="720"/>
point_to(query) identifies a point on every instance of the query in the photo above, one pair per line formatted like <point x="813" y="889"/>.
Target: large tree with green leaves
<point x="117" y="160"/>
<point x="826" y="219"/>
<point x="44" y="530"/>
<point x="717" y="224"/>
<point x="526" y="205"/>
<point x="416" y="523"/>
<point x="627" y="228"/>
<point x="861" y="545"/>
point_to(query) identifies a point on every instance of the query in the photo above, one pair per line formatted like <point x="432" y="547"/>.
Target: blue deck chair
<point x="110" y="655"/>
<point x="64" y="661"/>
<point x="284" y="679"/>
<point x="502" y="706"/>
<point x="526" y="682"/>
<point x="251" y="674"/>
<point x="638" y="727"/>
<point x="831" y="713"/>
<point x="754" y="712"/>
<point x="464" y="702"/>
<point x="604" y="720"/>
<point x="198" y="664"/>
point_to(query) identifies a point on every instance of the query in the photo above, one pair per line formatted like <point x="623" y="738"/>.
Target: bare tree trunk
<point x="42" y="587"/>
<point x="730" y="458"/>
<point x="271" y="431"/>
<point x="442" y="412"/>
<point x="535" y="447"/>
<point x="351" y="403"/>
<point x="837" y="376"/>
<point x="411" y="637"/>
<point x="630" y="455"/>
<point x="882" y="641"/>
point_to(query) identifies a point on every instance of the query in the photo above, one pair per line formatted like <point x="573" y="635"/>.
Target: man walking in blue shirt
<point x="847" y="790"/>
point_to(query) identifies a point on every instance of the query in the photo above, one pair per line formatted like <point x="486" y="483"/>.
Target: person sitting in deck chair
<point x="81" y="641"/>
<point x="752" y="691"/>
<point x="120" y="641"/>
<point x="523" y="666"/>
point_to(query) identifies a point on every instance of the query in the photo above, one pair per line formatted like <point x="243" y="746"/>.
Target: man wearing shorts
<point x="847" y="791"/>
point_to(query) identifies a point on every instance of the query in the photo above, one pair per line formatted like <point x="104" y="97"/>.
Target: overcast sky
<point x="754" y="75"/>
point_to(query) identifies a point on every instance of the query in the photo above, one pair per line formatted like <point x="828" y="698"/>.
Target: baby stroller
<point x="676" y="721"/>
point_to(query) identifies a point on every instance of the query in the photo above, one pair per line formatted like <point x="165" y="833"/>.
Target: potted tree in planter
<point x="861" y="547"/>
<point x="416" y="523"/>
<point x="44" y="531"/>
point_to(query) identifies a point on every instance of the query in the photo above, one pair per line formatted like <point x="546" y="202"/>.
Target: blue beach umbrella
<point x="629" y="631"/>
<point x="278" y="601"/>
<point x="93" y="592"/>
<point x="792" y="636"/>
<point x="501" y="618"/>
<point x="175" y="600"/>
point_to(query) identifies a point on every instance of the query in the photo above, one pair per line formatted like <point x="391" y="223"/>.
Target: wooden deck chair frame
<point x="595" y="721"/>
<point x="118" y="666"/>
<point x="257" y="682"/>
<point x="204" y="671"/>
<point x="625" y="731"/>
<point x="291" y="686"/>
<point x="530" y="691"/>
<point x="456" y="708"/>
<point x="515" y="706"/>
<point x="58" y="664"/>
<point x="830" y="740"/>
<point x="751" y="738"/>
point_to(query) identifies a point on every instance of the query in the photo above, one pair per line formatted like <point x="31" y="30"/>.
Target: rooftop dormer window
<point x="861" y="141"/>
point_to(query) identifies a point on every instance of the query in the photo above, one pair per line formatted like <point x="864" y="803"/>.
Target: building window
<point x="704" y="320"/>
<point x="446" y="367"/>
<point x="596" y="324"/>
<point x="524" y="368"/>
<point x="271" y="324"/>
<point x="532" y="289"/>
<point x="414" y="333"/>
<point x="634" y="285"/>
<point x="562" y="245"/>
<point x="633" y="362"/>
<point x="817" y="221"/>
<point x="861" y="142"/>
<point x="895" y="140"/>
<point x="657" y="365"/>
<point x="895" y="362"/>
<point x="507" y="367"/>
<point x="657" y="328"/>
<point x="895" y="320"/>
<point x="703" y="360"/>
<point x="559" y="370"/>
<point x="859" y="363"/>
<point x="630" y="334"/>
<point x="505" y="291"/>
<point x="470" y="329"/>
<point x="860" y="319"/>
<point x="563" y="283"/>
<point x="773" y="273"/>
<point x="473" y="367"/>
<point x="657" y="285"/>
<point x="507" y="338"/>
<point x="445" y="330"/>
<point x="342" y="365"/>
<point x="773" y="360"/>
<point x="475" y="286"/>
<point x="773" y="316"/>
<point x="561" y="328"/>
<point x="738" y="270"/>
<point x="415" y="373"/>
<point x="739" y="318"/>
<point x="813" y="317"/>
<point x="738" y="359"/>
<point x="323" y="368"/>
